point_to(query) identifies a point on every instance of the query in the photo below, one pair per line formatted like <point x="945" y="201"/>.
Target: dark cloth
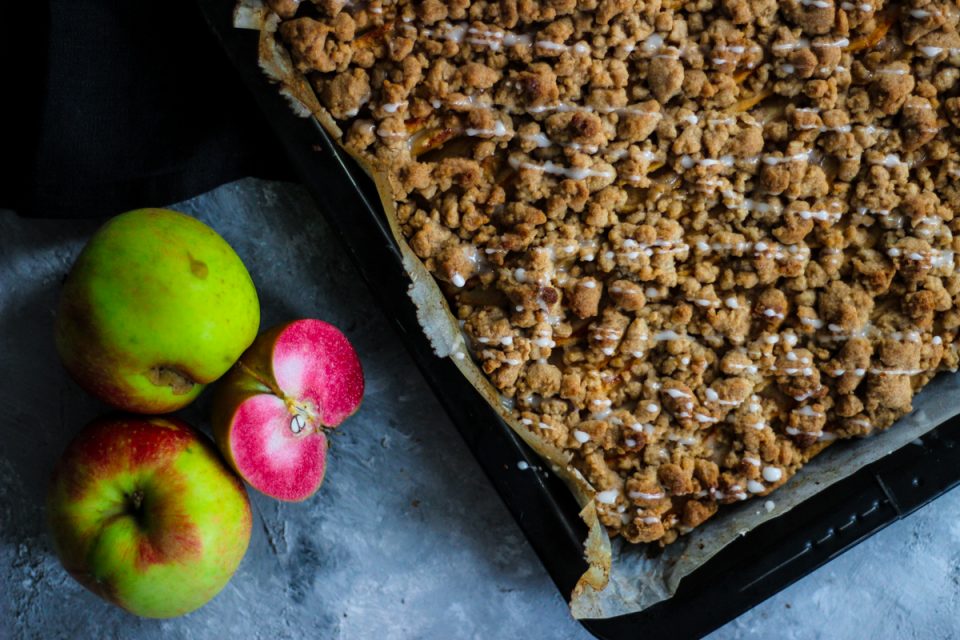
<point x="115" y="105"/>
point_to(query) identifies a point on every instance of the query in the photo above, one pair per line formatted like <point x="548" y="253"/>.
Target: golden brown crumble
<point x="693" y="242"/>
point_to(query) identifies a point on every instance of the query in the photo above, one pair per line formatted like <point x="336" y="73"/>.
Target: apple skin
<point x="154" y="292"/>
<point x="145" y="514"/>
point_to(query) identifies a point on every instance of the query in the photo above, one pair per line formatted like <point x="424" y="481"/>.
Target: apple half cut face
<point x="272" y="410"/>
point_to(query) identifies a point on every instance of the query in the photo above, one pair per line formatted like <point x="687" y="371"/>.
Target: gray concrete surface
<point x="406" y="539"/>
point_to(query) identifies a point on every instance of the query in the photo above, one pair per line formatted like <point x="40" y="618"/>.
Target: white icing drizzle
<point x="684" y="440"/>
<point x="386" y="133"/>
<point x="576" y="173"/>
<point x="931" y="51"/>
<point x="771" y="160"/>
<point x="808" y="412"/>
<point x="803" y="43"/>
<point x="772" y="474"/>
<point x="393" y="107"/>
<point x="608" y="497"/>
<point x="897" y="372"/>
<point x="640" y="495"/>
<point x="937" y="257"/>
<point x="892" y="160"/>
<point x="755" y="487"/>
<point x="499" y="130"/>
<point x="688" y="162"/>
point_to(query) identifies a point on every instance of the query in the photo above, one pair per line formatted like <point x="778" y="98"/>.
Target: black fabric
<point x="115" y="105"/>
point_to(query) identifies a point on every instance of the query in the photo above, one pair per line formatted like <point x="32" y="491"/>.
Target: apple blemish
<point x="178" y="381"/>
<point x="272" y="411"/>
<point x="198" y="267"/>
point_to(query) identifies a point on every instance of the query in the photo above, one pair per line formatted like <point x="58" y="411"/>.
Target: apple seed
<point x="298" y="423"/>
<point x="303" y="415"/>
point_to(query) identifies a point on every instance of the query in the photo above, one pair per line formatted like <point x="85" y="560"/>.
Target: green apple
<point x="145" y="514"/>
<point x="156" y="306"/>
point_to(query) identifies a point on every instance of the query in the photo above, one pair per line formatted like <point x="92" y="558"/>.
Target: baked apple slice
<point x="272" y="410"/>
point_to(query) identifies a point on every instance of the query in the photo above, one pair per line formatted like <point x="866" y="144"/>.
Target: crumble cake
<point x="693" y="243"/>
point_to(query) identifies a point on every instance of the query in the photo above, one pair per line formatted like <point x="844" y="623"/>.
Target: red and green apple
<point x="156" y="306"/>
<point x="272" y="411"/>
<point x="145" y="514"/>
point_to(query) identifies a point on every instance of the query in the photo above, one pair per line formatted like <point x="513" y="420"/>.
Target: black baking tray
<point x="746" y="572"/>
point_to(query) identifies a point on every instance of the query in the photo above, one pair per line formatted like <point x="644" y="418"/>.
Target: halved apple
<point x="272" y="410"/>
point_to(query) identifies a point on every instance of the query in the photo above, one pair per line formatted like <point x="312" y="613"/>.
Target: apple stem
<point x="253" y="373"/>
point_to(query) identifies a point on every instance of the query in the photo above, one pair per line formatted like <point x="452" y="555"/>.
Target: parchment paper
<point x="621" y="579"/>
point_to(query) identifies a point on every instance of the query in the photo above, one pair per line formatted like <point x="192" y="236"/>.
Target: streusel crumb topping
<point x="694" y="242"/>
